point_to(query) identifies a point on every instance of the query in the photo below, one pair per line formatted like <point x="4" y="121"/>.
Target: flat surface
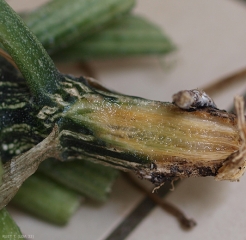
<point x="211" y="40"/>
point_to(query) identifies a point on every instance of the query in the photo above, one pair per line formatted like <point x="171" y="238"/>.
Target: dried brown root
<point x="225" y="82"/>
<point x="185" y="222"/>
<point x="87" y="69"/>
<point x="157" y="187"/>
<point x="235" y="165"/>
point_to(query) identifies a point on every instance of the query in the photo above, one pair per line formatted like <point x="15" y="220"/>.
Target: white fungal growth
<point x="195" y="98"/>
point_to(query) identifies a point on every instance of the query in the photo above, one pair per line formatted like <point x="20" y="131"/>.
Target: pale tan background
<point x="211" y="40"/>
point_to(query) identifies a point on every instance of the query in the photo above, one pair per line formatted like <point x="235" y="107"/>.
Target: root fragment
<point x="186" y="223"/>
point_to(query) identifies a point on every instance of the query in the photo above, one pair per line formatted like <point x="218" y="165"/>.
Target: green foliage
<point x="86" y="178"/>
<point x="128" y="36"/>
<point x="8" y="228"/>
<point x="60" y="23"/>
<point x="46" y="199"/>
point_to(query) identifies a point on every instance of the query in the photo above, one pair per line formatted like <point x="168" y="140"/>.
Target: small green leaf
<point x="128" y="36"/>
<point x="60" y="23"/>
<point x="8" y="228"/>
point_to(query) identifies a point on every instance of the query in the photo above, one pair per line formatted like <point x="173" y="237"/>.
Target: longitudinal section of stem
<point x="142" y="134"/>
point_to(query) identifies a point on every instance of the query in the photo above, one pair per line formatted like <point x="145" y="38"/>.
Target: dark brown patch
<point x="222" y="114"/>
<point x="206" y="171"/>
<point x="176" y="171"/>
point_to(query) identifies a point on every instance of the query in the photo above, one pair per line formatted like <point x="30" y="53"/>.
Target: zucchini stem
<point x="29" y="55"/>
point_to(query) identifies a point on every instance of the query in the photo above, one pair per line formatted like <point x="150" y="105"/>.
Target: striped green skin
<point x="60" y="23"/>
<point x="8" y="228"/>
<point x="46" y="199"/>
<point x="86" y="178"/>
<point x="19" y="128"/>
<point x="129" y="36"/>
<point x="22" y="126"/>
